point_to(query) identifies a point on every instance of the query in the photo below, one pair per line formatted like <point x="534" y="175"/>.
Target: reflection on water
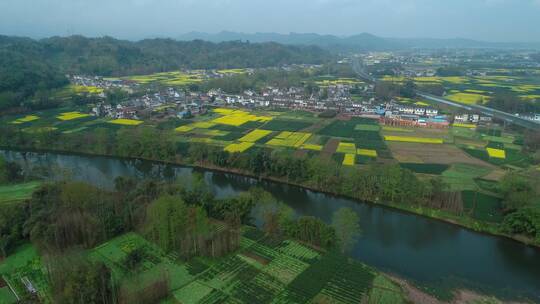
<point x="427" y="251"/>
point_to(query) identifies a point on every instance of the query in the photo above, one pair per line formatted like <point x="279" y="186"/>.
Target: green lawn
<point x="17" y="192"/>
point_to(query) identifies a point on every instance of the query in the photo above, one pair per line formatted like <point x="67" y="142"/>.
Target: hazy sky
<point x="493" y="20"/>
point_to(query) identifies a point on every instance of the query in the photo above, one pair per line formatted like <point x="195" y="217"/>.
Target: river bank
<point x="425" y="251"/>
<point x="447" y="217"/>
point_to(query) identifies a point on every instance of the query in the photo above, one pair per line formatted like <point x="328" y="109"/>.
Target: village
<point x="166" y="102"/>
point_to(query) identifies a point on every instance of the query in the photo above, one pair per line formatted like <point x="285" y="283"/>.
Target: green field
<point x="462" y="176"/>
<point x="261" y="271"/>
<point x="17" y="192"/>
<point x="434" y="169"/>
<point x="26" y="263"/>
<point x="482" y="206"/>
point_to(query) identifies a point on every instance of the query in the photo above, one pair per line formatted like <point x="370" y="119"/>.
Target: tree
<point x="516" y="190"/>
<point x="311" y="230"/>
<point x="12" y="219"/>
<point x="166" y="222"/>
<point x="74" y="279"/>
<point x="346" y="224"/>
<point x="408" y="89"/>
<point x="386" y="90"/>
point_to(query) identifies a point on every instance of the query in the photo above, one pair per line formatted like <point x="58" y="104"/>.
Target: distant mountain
<point x="360" y="42"/>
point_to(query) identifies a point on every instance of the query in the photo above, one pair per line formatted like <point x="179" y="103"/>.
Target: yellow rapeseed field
<point x="237" y="118"/>
<point x="468" y="98"/>
<point x="312" y="147"/>
<point x="27" y="118"/>
<point x="203" y="125"/>
<point x="349" y="160"/>
<point x="464" y="125"/>
<point x="348" y="148"/>
<point x="238" y="147"/>
<point x="184" y="128"/>
<point x="255" y="135"/>
<point x="496" y="153"/>
<point x="395" y="129"/>
<point x="71" y="115"/>
<point x="367" y="152"/>
<point x="126" y="122"/>
<point x="289" y="139"/>
<point x="411" y="139"/>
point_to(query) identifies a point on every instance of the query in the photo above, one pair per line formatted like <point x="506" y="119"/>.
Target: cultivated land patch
<point x="237" y="117"/>
<point x="126" y="122"/>
<point x="238" y="147"/>
<point x="17" y="192"/>
<point x="289" y="139"/>
<point x="27" y="118"/>
<point x="24" y="265"/>
<point x="431" y="154"/>
<point x="482" y="206"/>
<point x="412" y="139"/>
<point x="330" y="147"/>
<point x="71" y="115"/>
<point x="255" y="135"/>
<point x="286" y="125"/>
<point x="462" y="176"/>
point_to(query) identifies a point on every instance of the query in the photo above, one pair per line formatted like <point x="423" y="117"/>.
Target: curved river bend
<point x="428" y="252"/>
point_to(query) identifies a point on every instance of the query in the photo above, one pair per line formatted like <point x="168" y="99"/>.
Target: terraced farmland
<point x="286" y="272"/>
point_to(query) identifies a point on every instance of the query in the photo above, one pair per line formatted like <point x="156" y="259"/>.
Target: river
<point x="428" y="252"/>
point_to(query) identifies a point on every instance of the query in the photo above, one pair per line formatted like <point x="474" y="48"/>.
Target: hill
<point x="354" y="43"/>
<point x="28" y="66"/>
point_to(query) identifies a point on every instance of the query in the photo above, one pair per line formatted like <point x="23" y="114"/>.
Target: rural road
<point x="357" y="67"/>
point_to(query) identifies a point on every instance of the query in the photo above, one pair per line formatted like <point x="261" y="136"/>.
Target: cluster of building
<point x="101" y="83"/>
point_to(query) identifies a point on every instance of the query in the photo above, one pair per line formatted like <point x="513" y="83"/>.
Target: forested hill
<point x="29" y="69"/>
<point x="111" y="57"/>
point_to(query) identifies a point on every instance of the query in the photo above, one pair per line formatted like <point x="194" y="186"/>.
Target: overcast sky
<point x="491" y="20"/>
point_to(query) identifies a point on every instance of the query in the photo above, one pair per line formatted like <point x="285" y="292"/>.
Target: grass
<point x="238" y="147"/>
<point x="18" y="192"/>
<point x="126" y="122"/>
<point x="411" y="139"/>
<point x="71" y="115"/>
